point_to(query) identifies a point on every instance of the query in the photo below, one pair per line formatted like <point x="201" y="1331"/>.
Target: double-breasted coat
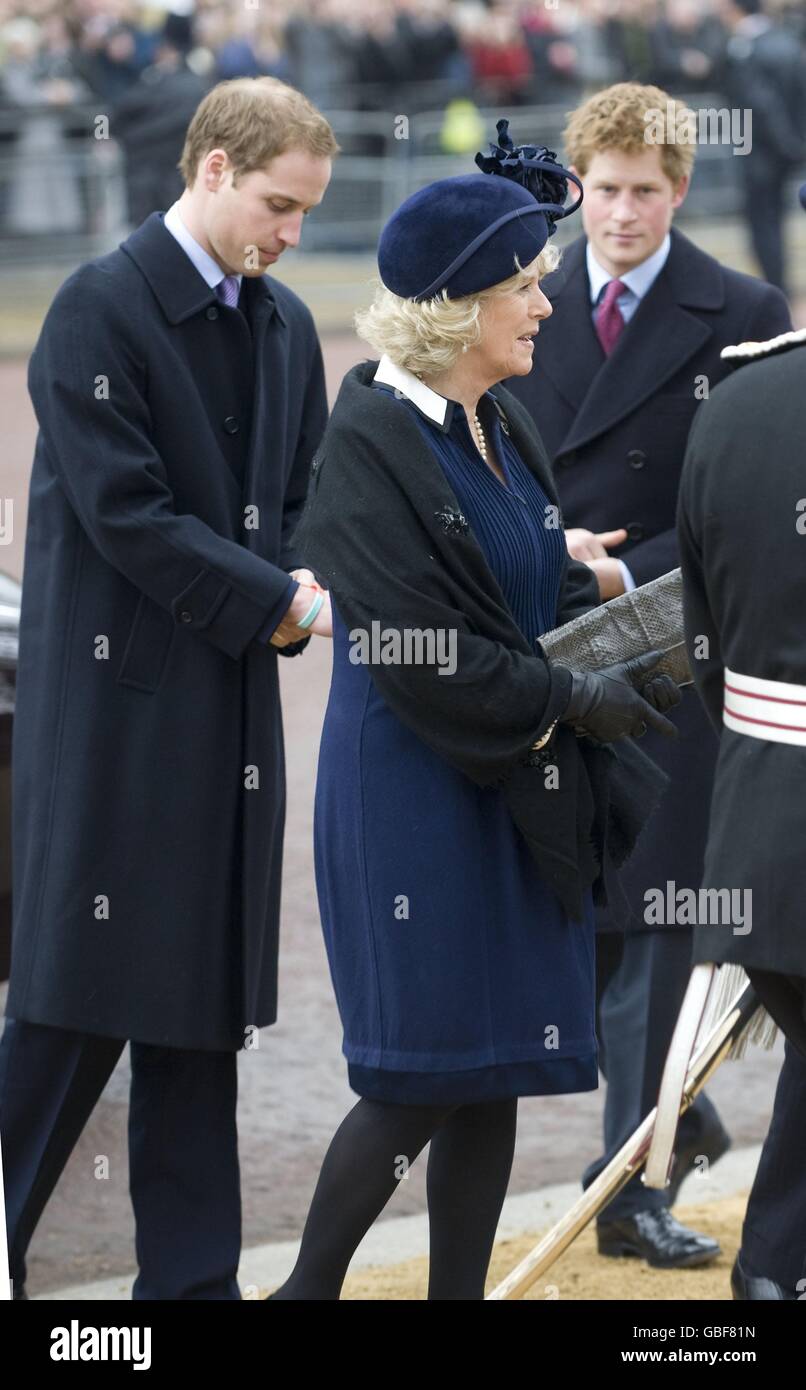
<point x="171" y="465"/>
<point x="743" y="553"/>
<point x="616" y="429"/>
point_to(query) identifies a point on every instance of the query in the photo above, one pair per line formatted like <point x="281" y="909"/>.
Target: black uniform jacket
<point x="743" y="552"/>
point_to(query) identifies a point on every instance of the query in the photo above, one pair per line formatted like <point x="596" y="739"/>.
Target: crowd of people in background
<point x="146" y="65"/>
<point x="541" y="51"/>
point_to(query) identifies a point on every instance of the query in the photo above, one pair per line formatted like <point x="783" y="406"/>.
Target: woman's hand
<point x="606" y="705"/>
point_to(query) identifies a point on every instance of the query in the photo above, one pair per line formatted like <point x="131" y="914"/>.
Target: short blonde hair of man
<point x="429" y="337"/>
<point x="618" y="118"/>
<point x="254" y="119"/>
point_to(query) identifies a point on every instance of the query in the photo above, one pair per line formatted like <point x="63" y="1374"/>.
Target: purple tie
<point x="609" y="319"/>
<point x="227" y="290"/>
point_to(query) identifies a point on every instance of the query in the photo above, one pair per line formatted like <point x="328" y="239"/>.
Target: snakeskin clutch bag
<point x="649" y="618"/>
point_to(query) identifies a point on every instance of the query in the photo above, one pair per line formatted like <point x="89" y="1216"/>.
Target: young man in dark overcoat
<point x="180" y="397"/>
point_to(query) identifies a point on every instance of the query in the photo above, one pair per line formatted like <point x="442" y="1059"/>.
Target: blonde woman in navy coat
<point x="460" y="979"/>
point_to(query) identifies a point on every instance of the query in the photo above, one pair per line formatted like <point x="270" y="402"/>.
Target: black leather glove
<point x="606" y="705"/>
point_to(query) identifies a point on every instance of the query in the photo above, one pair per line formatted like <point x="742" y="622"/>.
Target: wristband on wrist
<point x="312" y="612"/>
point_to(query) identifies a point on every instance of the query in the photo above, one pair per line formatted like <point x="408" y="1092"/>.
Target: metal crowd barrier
<point x="62" y="194"/>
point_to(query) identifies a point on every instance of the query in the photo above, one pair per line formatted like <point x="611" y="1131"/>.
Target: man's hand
<point x="592" y="545"/>
<point x="609" y="576"/>
<point x="287" y="630"/>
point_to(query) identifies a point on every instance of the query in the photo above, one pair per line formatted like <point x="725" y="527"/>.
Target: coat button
<point x="212" y="312"/>
<point x="185" y="616"/>
<point x="567" y="459"/>
<point x="634" y="530"/>
<point x="636" y="458"/>
<point x="231" y="425"/>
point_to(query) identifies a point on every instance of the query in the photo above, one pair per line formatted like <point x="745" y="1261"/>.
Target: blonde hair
<point x="622" y="117"/>
<point x="254" y="119"/>
<point x="428" y="337"/>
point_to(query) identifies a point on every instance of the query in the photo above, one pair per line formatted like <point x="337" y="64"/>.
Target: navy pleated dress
<point x="457" y="974"/>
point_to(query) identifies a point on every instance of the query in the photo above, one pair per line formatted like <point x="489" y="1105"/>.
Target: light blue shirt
<point x="209" y="269"/>
<point x="638" y="281"/>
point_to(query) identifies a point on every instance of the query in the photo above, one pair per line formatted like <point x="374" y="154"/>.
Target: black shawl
<point x="383" y="530"/>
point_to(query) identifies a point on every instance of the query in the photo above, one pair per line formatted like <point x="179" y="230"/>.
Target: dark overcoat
<point x="743" y="552"/>
<point x="385" y="533"/>
<point x="171" y="466"/>
<point x="616" y="430"/>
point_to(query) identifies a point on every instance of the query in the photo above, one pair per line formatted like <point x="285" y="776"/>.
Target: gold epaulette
<point x="751" y="352"/>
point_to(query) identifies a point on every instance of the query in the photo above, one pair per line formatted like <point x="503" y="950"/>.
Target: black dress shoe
<point x="750" y="1286"/>
<point x="658" y="1238"/>
<point x="711" y="1147"/>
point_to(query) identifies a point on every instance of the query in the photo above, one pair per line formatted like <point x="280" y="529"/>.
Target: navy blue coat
<point x="148" y="772"/>
<point x="616" y="431"/>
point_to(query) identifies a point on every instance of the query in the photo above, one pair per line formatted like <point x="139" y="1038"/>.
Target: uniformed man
<point x="742" y="533"/>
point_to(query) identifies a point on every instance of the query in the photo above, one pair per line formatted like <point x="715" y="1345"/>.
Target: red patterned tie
<point x="609" y="320"/>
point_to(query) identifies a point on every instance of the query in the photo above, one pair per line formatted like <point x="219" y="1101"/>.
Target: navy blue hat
<point x="463" y="234"/>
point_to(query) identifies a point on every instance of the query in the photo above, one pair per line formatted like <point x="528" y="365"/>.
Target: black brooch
<point x="538" y="757"/>
<point x="452" y="521"/>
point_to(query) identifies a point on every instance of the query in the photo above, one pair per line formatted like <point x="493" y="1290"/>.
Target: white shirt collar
<point x="209" y="269"/>
<point x="639" y="279"/>
<point x="430" y="403"/>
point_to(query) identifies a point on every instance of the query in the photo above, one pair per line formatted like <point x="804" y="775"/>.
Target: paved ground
<point x="391" y="1261"/>
<point x="293" y="1089"/>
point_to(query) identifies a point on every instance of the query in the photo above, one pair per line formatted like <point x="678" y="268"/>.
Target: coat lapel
<point x="661" y="337"/>
<point x="570" y="354"/>
<point x="181" y="293"/>
<point x="179" y="288"/>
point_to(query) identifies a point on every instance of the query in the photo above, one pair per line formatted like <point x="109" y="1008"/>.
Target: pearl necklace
<point x="482" y="442"/>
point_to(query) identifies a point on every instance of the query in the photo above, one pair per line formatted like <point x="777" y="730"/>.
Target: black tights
<point x="469" y="1164"/>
